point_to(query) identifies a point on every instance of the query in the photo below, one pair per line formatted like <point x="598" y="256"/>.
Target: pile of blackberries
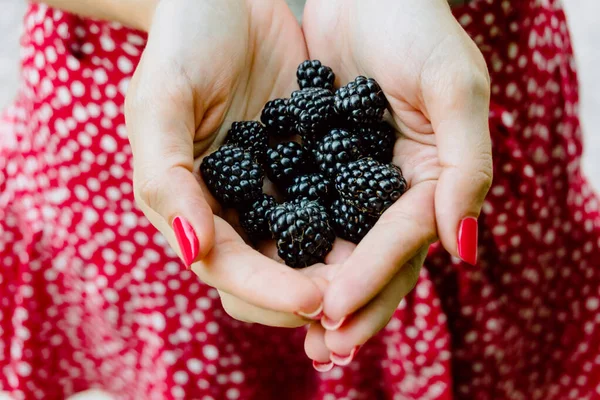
<point x="334" y="169"/>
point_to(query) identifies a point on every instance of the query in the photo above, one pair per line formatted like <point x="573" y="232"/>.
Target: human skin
<point x="437" y="85"/>
<point x="205" y="65"/>
<point x="438" y="88"/>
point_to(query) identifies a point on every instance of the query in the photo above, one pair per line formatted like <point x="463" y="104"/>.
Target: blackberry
<point x="350" y="223"/>
<point x="276" y="118"/>
<point x="361" y="101"/>
<point x="370" y="186"/>
<point x="232" y="176"/>
<point x="285" y="162"/>
<point x="311" y="186"/>
<point x="311" y="109"/>
<point x="334" y="149"/>
<point x="311" y="73"/>
<point x="377" y="141"/>
<point x="254" y="218"/>
<point x="249" y="135"/>
<point x="302" y="232"/>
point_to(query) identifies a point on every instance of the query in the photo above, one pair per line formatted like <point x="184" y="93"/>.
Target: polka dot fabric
<point x="93" y="297"/>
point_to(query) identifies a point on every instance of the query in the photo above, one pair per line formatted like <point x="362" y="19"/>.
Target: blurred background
<point x="585" y="29"/>
<point x="583" y="15"/>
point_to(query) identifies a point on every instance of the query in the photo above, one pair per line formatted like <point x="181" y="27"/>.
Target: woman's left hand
<point x="437" y="85"/>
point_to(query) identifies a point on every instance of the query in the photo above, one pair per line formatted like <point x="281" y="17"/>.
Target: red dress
<point x="91" y="295"/>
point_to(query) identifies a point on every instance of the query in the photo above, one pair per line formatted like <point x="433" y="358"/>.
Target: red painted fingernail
<point x="315" y="315"/>
<point x="342" y="361"/>
<point x="322" y="367"/>
<point x="331" y="325"/>
<point x="467" y="240"/>
<point x="187" y="240"/>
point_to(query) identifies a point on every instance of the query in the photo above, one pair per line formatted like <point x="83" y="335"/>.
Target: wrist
<point x="137" y="14"/>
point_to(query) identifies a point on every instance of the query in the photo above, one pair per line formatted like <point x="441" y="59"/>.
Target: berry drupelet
<point x="338" y="181"/>
<point x="311" y="109"/>
<point x="285" y="162"/>
<point x="311" y="186"/>
<point x="361" y="101"/>
<point x="311" y="73"/>
<point x="370" y="186"/>
<point x="232" y="176"/>
<point x="254" y="219"/>
<point x="249" y="135"/>
<point x="336" y="148"/>
<point x="302" y="232"/>
<point x="276" y="118"/>
<point x="377" y="141"/>
<point x="350" y="223"/>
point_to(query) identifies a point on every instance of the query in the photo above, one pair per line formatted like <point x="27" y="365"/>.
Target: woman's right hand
<point x="206" y="64"/>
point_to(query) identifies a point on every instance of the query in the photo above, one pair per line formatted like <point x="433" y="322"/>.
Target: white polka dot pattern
<point x="93" y="297"/>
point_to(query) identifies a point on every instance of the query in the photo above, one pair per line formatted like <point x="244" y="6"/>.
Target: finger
<point x="242" y="311"/>
<point x="368" y="321"/>
<point x="323" y="273"/>
<point x="315" y="348"/>
<point x="161" y="128"/>
<point x="457" y="101"/>
<point x="245" y="312"/>
<point x="398" y="235"/>
<point x="236" y="268"/>
<point x="342" y="249"/>
<point x="320" y="273"/>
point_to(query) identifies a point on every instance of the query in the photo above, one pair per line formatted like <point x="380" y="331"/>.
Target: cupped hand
<point x="437" y="85"/>
<point x="206" y="64"/>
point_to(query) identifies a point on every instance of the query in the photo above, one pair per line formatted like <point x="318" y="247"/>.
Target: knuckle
<point x="474" y="82"/>
<point x="480" y="69"/>
<point x="230" y="246"/>
<point x="484" y="174"/>
<point x="147" y="191"/>
<point x="459" y="66"/>
<point x="151" y="189"/>
<point x="397" y="218"/>
<point x="478" y="76"/>
<point x="485" y="178"/>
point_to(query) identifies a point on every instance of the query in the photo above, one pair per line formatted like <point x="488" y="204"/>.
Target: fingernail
<point x="342" y="361"/>
<point x="467" y="240"/>
<point x="187" y="240"/>
<point x="315" y="315"/>
<point x="322" y="367"/>
<point x="331" y="325"/>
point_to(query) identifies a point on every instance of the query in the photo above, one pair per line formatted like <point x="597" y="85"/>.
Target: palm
<point x="207" y="64"/>
<point x="257" y="52"/>
<point x="264" y="70"/>
<point x="258" y="66"/>
<point x="437" y="85"/>
<point x="398" y="65"/>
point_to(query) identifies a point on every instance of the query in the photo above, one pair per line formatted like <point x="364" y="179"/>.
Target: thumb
<point x="160" y="119"/>
<point x="459" y="115"/>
